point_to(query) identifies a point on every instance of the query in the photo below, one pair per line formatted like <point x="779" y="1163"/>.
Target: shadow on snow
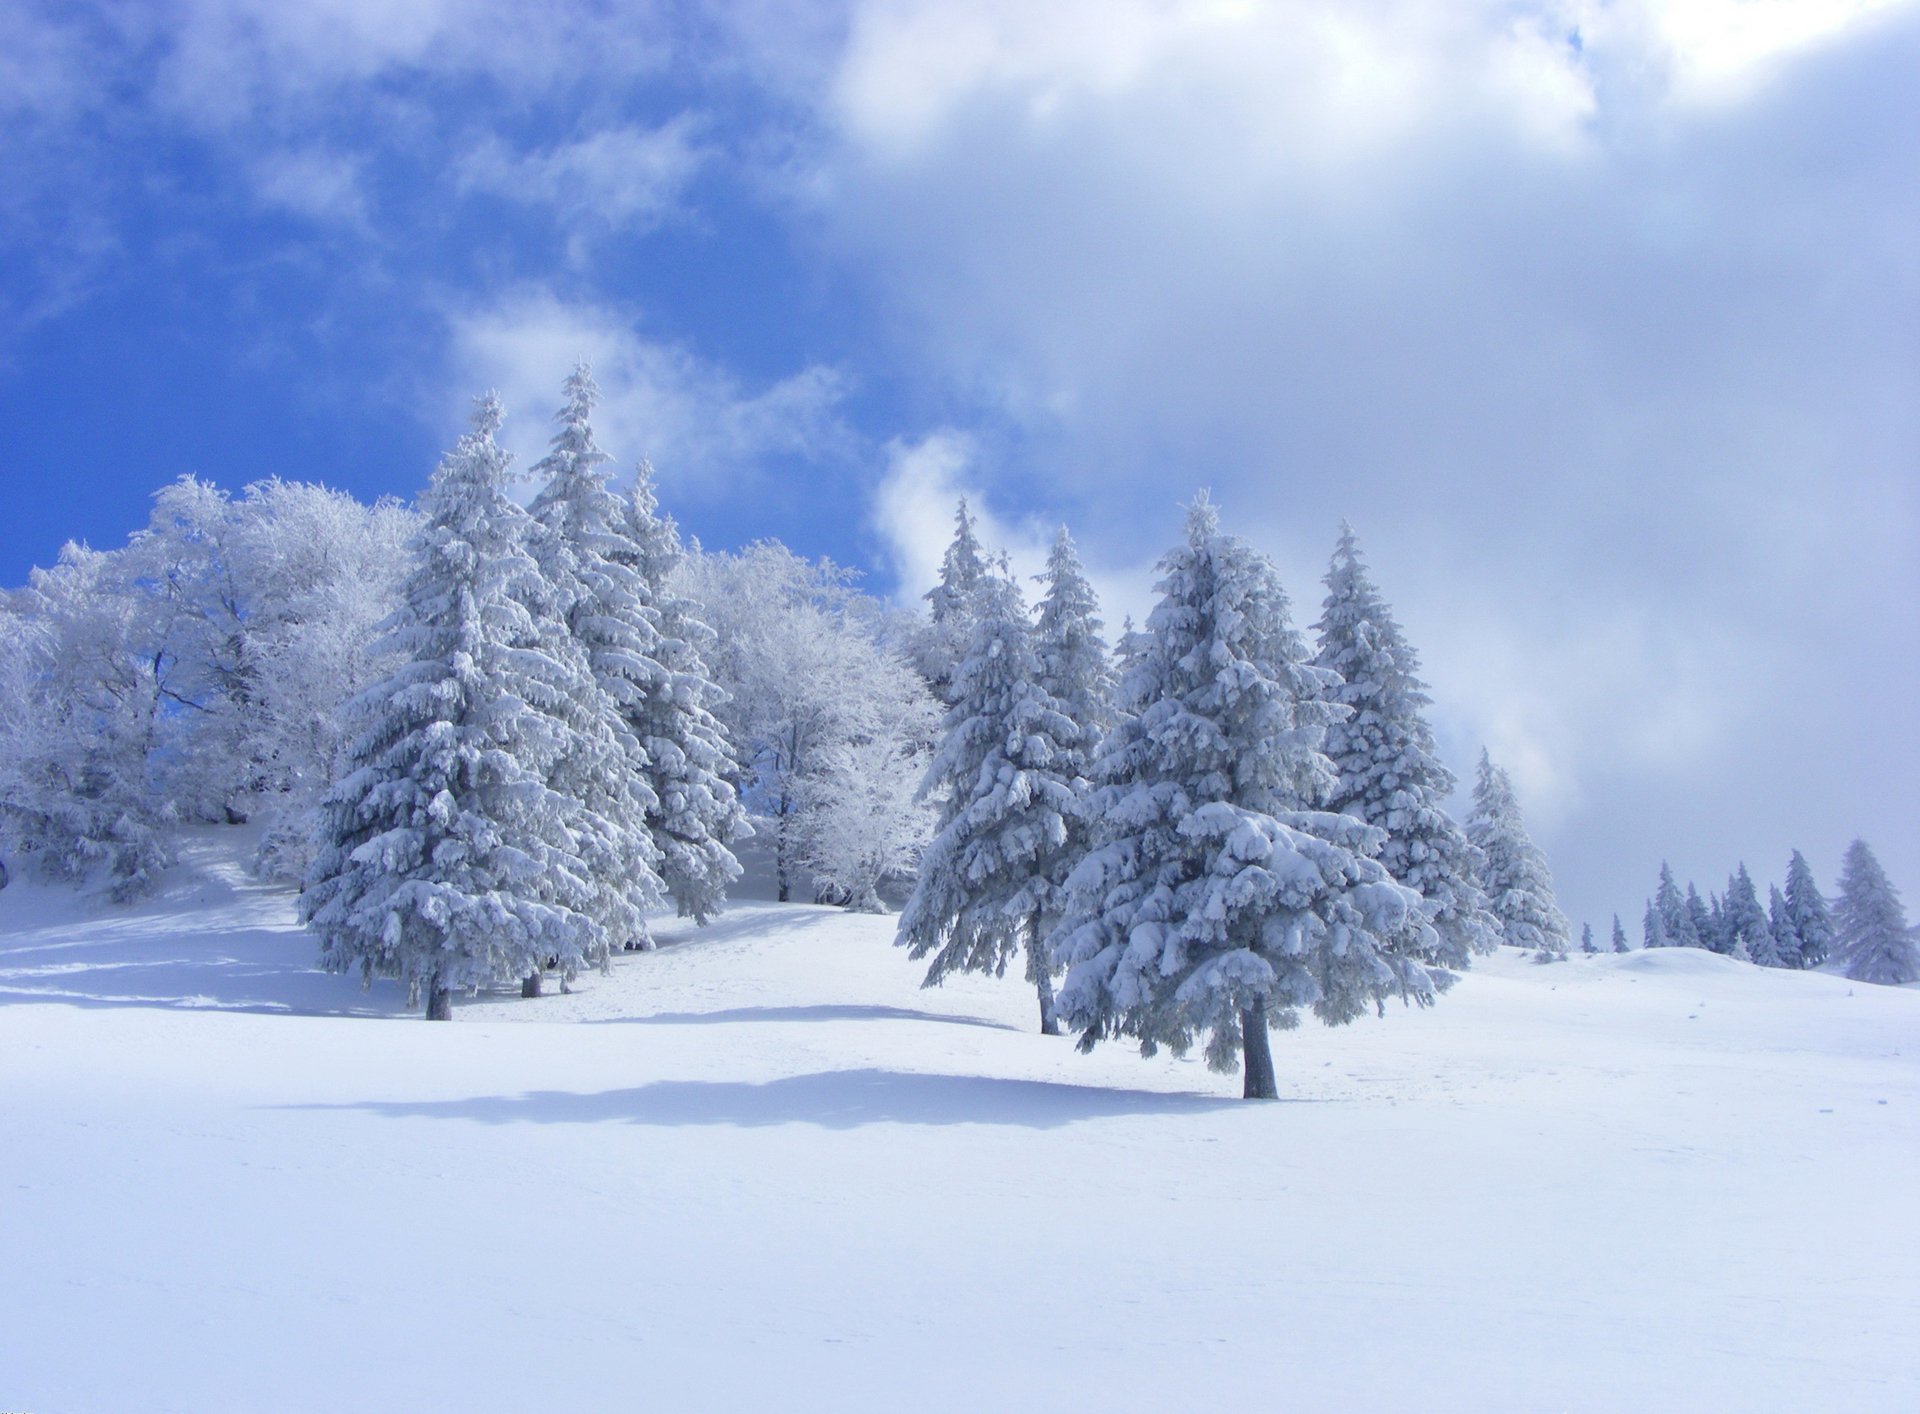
<point x="824" y="1012"/>
<point x="834" y="1099"/>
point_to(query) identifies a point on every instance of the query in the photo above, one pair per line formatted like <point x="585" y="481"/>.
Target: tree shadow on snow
<point x="798" y="1013"/>
<point x="835" y="1099"/>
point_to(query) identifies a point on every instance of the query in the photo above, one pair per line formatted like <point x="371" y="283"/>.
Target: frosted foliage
<point x="1587" y="944"/>
<point x="1215" y="893"/>
<point x="1870" y="938"/>
<point x="1007" y="777"/>
<point x="1747" y="932"/>
<point x="1389" y="771"/>
<point x="1807" y="913"/>
<point x="1518" y="884"/>
<point x="599" y="614"/>
<point x="448" y="861"/>
<point x="813" y="698"/>
<point x="79" y="706"/>
<point x="1619" y="939"/>
<point x="942" y="641"/>
<point x="690" y="759"/>
<point x="1678" y="928"/>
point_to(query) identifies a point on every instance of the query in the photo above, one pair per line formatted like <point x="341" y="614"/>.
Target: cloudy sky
<point x="1601" y="322"/>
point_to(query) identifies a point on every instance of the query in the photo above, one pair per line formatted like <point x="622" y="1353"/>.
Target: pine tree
<point x="691" y="763"/>
<point x="1676" y="924"/>
<point x="1518" y="884"/>
<point x="601" y="606"/>
<point x="988" y="882"/>
<point x="1781" y="926"/>
<point x="1870" y="938"/>
<point x="1807" y="912"/>
<point x="944" y="640"/>
<point x="447" y="861"/>
<point x="1653" y="928"/>
<point x="1699" y="921"/>
<point x="1587" y="944"/>
<point x="1718" y="934"/>
<point x="1747" y="933"/>
<point x="1389" y="771"/>
<point x="1619" y="935"/>
<point x="1075" y="668"/>
<point x="1217" y="901"/>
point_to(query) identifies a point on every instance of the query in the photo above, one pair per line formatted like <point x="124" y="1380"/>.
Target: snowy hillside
<point x="761" y="1169"/>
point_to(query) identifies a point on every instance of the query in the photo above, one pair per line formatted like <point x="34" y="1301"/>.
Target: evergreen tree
<point x="1807" y="912"/>
<point x="446" y="860"/>
<point x="1587" y="944"/>
<point x="1388" y="767"/>
<point x="988" y="882"/>
<point x="601" y="607"/>
<point x="1747" y="933"/>
<point x="1619" y="935"/>
<point x="1217" y="901"/>
<point x="951" y="611"/>
<point x="1074" y="666"/>
<point x="1718" y="934"/>
<point x="1676" y="923"/>
<point x="1518" y="884"/>
<point x="1781" y="926"/>
<point x="1870" y="938"/>
<point x="1699" y="921"/>
<point x="1653" y="928"/>
<point x="691" y="763"/>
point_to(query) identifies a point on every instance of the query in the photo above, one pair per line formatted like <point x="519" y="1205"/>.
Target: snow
<point x="760" y="1168"/>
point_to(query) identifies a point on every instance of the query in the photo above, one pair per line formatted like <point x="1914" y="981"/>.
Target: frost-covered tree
<point x="1747" y="932"/>
<point x="1870" y="938"/>
<point x="1619" y="935"/>
<point x="1653" y="928"/>
<point x="1677" y="928"/>
<point x="690" y="758"/>
<point x="951" y="611"/>
<point x="1700" y="925"/>
<point x="813" y="698"/>
<point x="1807" y="914"/>
<point x="447" y="860"/>
<point x="1518" y="884"/>
<point x="1387" y="763"/>
<point x="599" y="611"/>
<point x="1005" y="775"/>
<point x="1217" y="901"/>
<point x="1587" y="944"/>
<point x="1075" y="668"/>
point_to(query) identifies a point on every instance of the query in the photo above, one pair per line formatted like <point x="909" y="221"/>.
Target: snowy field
<point x="761" y="1169"/>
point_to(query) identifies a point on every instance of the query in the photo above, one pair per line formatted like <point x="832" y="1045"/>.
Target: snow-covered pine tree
<point x="1587" y="944"/>
<point x="1718" y="934"/>
<point x="1518" y="884"/>
<point x="1619" y="935"/>
<point x="1388" y="765"/>
<point x="1217" y="900"/>
<point x="1676" y="924"/>
<point x="1075" y="668"/>
<point x="1748" y="934"/>
<point x="1807" y="912"/>
<point x="1653" y="928"/>
<point x="690" y="759"/>
<point x="1870" y="938"/>
<point x="446" y="859"/>
<point x="1781" y="927"/>
<point x="600" y="614"/>
<point x="943" y="641"/>
<point x="988" y="883"/>
<point x="1699" y="932"/>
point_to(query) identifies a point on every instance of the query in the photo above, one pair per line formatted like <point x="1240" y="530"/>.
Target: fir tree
<point x="1518" y="884"/>
<point x="1699" y="932"/>
<point x="1388" y="767"/>
<point x="950" y="607"/>
<point x="1781" y="926"/>
<point x="602" y="606"/>
<point x="691" y="763"/>
<point x="1676" y="924"/>
<point x="1653" y="928"/>
<point x="447" y="861"/>
<point x="1587" y="944"/>
<point x="1747" y="933"/>
<point x="1619" y="935"/>
<point x="988" y="882"/>
<point x="1217" y="901"/>
<point x="1870" y="938"/>
<point x="1807" y="913"/>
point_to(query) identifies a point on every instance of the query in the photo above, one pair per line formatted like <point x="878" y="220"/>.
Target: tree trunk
<point x="1049" y="1023"/>
<point x="1256" y="1052"/>
<point x="530" y="984"/>
<point x="1037" y="974"/>
<point x="780" y="851"/>
<point x="439" y="1002"/>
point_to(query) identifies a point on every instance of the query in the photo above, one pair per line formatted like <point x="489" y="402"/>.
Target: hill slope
<point x="762" y="1168"/>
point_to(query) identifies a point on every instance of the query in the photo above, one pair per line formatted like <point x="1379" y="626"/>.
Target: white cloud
<point x="706" y="433"/>
<point x="325" y="187"/>
<point x="626" y="178"/>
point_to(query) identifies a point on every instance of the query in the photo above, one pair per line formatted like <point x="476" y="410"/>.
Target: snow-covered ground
<point x="761" y="1169"/>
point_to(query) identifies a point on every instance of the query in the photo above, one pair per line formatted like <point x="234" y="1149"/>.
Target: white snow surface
<point x="762" y="1169"/>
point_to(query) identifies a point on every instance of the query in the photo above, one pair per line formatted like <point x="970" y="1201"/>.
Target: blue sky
<point x="1598" y="319"/>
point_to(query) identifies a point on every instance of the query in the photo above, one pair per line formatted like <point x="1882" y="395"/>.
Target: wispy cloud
<point x="628" y="178"/>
